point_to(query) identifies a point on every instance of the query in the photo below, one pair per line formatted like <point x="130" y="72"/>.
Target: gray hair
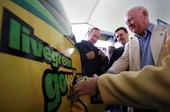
<point x="141" y="8"/>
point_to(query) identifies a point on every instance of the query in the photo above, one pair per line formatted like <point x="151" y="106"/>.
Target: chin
<point x="94" y="42"/>
<point x="134" y="31"/>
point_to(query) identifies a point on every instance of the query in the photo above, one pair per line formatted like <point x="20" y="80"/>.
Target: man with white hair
<point x="148" y="47"/>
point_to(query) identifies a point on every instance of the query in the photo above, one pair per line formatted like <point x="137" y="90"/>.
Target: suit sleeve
<point x="148" y="88"/>
<point x="122" y="63"/>
<point x="115" y="55"/>
<point x="82" y="52"/>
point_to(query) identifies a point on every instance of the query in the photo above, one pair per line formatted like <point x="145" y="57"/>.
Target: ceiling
<point x="108" y="15"/>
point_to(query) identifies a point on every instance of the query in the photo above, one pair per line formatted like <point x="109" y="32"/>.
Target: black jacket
<point x="117" y="53"/>
<point x="92" y="66"/>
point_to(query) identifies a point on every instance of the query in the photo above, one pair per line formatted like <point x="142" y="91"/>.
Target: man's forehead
<point x="130" y="13"/>
<point x="126" y="17"/>
<point x="120" y="31"/>
<point x="95" y="31"/>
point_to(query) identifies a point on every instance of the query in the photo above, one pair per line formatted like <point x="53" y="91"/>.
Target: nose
<point x="96" y="38"/>
<point x="120" y="37"/>
<point x="129" y="23"/>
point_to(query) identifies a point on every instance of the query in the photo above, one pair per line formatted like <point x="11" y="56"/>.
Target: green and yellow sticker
<point x="38" y="63"/>
<point x="37" y="66"/>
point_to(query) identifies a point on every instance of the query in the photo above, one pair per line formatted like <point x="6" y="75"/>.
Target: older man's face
<point x="135" y="21"/>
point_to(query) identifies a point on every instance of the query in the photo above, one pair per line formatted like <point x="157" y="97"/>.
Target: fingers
<point x="103" y="55"/>
<point x="78" y="89"/>
<point x="86" y="87"/>
<point x="75" y="92"/>
<point x="90" y="55"/>
<point x="95" y="75"/>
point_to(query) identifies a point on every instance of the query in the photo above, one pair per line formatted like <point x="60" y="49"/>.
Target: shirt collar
<point x="148" y="30"/>
<point x="89" y="44"/>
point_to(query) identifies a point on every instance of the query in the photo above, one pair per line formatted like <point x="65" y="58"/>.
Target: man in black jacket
<point x="122" y="36"/>
<point x="93" y="60"/>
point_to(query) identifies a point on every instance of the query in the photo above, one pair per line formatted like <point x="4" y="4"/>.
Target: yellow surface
<point x="21" y="78"/>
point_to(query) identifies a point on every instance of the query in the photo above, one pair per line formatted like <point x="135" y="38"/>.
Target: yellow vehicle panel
<point x="38" y="61"/>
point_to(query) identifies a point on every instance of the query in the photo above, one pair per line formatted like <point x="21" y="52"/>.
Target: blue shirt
<point x="91" y="46"/>
<point x="145" y="51"/>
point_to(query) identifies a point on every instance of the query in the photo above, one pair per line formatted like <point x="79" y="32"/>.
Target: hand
<point x="95" y="75"/>
<point x="86" y="87"/>
<point x="90" y="55"/>
<point x="102" y="54"/>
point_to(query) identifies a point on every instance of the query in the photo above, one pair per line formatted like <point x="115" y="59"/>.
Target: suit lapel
<point x="157" y="39"/>
<point x="136" y="52"/>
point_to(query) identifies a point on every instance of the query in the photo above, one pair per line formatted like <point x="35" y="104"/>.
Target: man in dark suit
<point x="122" y="36"/>
<point x="93" y="59"/>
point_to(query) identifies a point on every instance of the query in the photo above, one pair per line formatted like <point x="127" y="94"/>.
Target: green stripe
<point x="36" y="8"/>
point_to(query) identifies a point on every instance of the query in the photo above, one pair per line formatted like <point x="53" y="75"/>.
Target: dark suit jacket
<point x="92" y="66"/>
<point x="115" y="55"/>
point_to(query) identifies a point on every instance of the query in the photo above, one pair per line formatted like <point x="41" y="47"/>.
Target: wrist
<point x="96" y="83"/>
<point x="109" y="71"/>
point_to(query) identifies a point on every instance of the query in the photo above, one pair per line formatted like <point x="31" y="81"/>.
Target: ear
<point x="88" y="34"/>
<point x="145" y="13"/>
<point x="88" y="38"/>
